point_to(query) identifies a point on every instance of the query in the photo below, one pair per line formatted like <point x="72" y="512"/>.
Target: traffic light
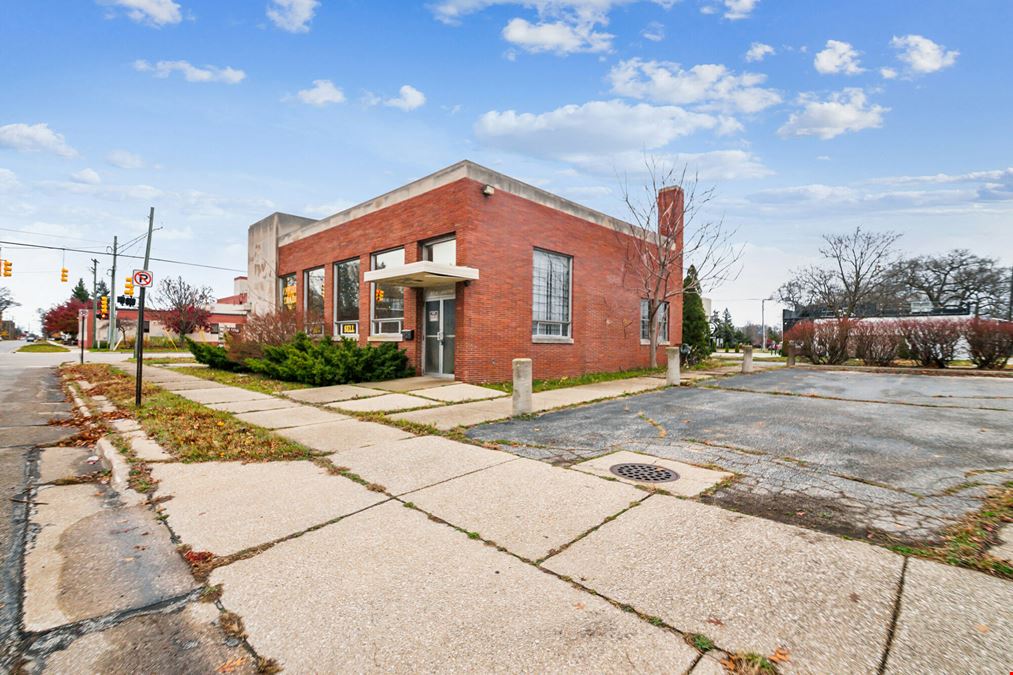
<point x="128" y="287"/>
<point x="63" y="274"/>
<point x="8" y="265"/>
<point x="103" y="309"/>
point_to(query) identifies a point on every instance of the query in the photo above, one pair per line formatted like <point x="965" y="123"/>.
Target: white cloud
<point x="988" y="176"/>
<point x="654" y="31"/>
<point x="739" y="9"/>
<point x="596" y="127"/>
<point x="562" y="26"/>
<point x="155" y="13"/>
<point x="922" y="55"/>
<point x="409" y="98"/>
<point x="124" y="159"/>
<point x="322" y="93"/>
<point x="888" y="73"/>
<point x="115" y="193"/>
<point x="846" y="110"/>
<point x="34" y="138"/>
<point x="9" y="181"/>
<point x="293" y="16"/>
<point x="557" y="37"/>
<point x="838" y="57"/>
<point x="191" y="72"/>
<point x="759" y="51"/>
<point x="87" y="176"/>
<point x="710" y="85"/>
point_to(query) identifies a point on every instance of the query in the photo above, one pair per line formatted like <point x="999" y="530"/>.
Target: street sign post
<point x="82" y="320"/>
<point x="142" y="279"/>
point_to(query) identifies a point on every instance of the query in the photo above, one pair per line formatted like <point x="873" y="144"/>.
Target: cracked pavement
<point x="850" y="453"/>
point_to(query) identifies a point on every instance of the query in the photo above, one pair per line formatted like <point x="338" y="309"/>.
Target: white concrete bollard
<point x="522" y="387"/>
<point x="791" y="354"/>
<point x="747" y="358"/>
<point x="673" y="377"/>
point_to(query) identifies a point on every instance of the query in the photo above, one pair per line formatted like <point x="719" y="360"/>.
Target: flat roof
<point x="445" y="176"/>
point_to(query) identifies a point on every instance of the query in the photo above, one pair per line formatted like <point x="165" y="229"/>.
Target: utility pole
<point x="112" y="298"/>
<point x="94" y="303"/>
<point x="139" y="341"/>
<point x="1009" y="307"/>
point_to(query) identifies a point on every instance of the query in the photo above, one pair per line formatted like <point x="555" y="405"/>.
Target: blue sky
<point x="807" y="117"/>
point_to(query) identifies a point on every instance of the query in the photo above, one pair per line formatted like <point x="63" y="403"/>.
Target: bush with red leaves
<point x="876" y="343"/>
<point x="989" y="342"/>
<point x="931" y="342"/>
<point x="822" y="342"/>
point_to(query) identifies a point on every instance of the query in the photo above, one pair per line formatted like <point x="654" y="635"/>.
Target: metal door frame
<point x="438" y="295"/>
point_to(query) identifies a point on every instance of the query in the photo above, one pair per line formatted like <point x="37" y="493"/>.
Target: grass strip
<point x="188" y="431"/>
<point x="42" y="347"/>
<point x="251" y="381"/>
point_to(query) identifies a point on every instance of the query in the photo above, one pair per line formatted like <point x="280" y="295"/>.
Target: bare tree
<point x="124" y="326"/>
<point x="181" y="307"/>
<point x="6" y="301"/>
<point x="669" y="227"/>
<point x="956" y="278"/>
<point x="859" y="271"/>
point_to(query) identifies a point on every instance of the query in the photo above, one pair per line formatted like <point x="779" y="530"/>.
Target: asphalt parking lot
<point x="861" y="454"/>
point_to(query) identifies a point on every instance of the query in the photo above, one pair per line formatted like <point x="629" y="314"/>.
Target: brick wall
<point x="497" y="235"/>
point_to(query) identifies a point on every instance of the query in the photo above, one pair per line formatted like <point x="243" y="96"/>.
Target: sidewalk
<point x="440" y="555"/>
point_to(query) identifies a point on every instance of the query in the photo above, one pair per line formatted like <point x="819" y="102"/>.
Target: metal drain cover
<point x="645" y="473"/>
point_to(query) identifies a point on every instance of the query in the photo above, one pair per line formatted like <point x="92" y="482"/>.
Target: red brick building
<point x="466" y="269"/>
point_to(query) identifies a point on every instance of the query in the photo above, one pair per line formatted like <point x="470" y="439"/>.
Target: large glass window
<point x="346" y="298"/>
<point x="551" y="294"/>
<point x="441" y="251"/>
<point x="387" y="316"/>
<point x="287" y="292"/>
<point x="313" y="301"/>
<point x="645" y="325"/>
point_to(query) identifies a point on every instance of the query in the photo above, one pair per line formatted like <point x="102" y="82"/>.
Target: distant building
<point x="227" y="314"/>
<point x="913" y="310"/>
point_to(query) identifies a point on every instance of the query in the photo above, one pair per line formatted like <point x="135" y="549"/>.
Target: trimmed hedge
<point x="326" y="361"/>
<point x="316" y="362"/>
<point x="213" y="356"/>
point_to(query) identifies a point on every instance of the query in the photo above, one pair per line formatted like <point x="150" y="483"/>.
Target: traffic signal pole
<point x="138" y="379"/>
<point x="94" y="303"/>
<point x="112" y="299"/>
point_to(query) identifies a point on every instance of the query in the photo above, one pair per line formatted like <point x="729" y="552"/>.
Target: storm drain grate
<point x="645" y="473"/>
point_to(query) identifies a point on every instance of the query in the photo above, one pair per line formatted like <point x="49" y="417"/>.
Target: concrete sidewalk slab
<point x="528" y="507"/>
<point x="344" y="434"/>
<point x="282" y="418"/>
<point x="384" y="403"/>
<point x="189" y="384"/>
<point x="952" y="620"/>
<point x="221" y="395"/>
<point x="692" y="479"/>
<point x="149" y="450"/>
<point x="91" y="558"/>
<point x="749" y="584"/>
<point x="184" y="641"/>
<point x="459" y="393"/>
<point x="389" y="591"/>
<point x="272" y="403"/>
<point x="404" y="384"/>
<point x="66" y="463"/>
<point x="337" y="392"/>
<point x="464" y="414"/>
<point x="225" y="507"/>
<point x="414" y="463"/>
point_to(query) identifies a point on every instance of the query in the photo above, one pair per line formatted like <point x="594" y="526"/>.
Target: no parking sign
<point x="143" y="278"/>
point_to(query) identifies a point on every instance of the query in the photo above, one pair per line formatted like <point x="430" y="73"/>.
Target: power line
<point x="136" y="257"/>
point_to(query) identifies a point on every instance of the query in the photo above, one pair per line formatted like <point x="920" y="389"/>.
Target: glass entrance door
<point x="440" y="329"/>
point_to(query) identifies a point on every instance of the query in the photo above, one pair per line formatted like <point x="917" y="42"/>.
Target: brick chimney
<point x="670" y="211"/>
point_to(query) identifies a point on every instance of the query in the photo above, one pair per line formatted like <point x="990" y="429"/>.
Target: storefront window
<point x="551" y="294"/>
<point x="442" y="251"/>
<point x="346" y="298"/>
<point x="313" y="307"/>
<point x="388" y="300"/>
<point x="645" y="324"/>
<point x="287" y="292"/>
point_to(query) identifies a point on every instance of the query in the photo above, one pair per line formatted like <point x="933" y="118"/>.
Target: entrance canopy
<point x="422" y="274"/>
